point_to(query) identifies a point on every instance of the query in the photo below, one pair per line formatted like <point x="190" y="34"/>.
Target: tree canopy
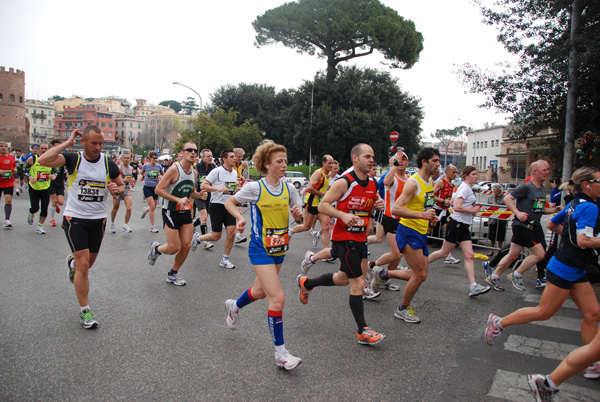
<point x="534" y="91"/>
<point x="340" y="30"/>
<point x="189" y="105"/>
<point x="173" y="104"/>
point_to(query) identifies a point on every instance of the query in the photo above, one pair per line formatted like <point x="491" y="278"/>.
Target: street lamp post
<point x="200" y="98"/>
<point x="473" y="127"/>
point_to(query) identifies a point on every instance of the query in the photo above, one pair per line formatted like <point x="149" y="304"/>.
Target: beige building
<point x="145" y="109"/>
<point x="74" y="102"/>
<point x="41" y="116"/>
<point x="128" y="129"/>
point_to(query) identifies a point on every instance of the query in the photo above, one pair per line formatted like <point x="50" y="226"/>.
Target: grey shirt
<point x="531" y="200"/>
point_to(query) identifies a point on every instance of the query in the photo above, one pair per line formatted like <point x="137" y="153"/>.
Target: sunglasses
<point x="194" y="150"/>
<point x="593" y="181"/>
<point x="153" y="158"/>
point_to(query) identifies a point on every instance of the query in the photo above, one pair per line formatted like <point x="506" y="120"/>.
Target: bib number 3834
<point x="91" y="191"/>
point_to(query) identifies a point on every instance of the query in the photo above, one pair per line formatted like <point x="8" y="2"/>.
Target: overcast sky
<point x="136" y="49"/>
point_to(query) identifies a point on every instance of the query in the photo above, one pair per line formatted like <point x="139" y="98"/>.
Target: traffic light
<point x="393" y="150"/>
<point x="596" y="107"/>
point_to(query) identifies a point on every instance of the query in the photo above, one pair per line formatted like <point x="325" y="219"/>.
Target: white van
<point x="296" y="178"/>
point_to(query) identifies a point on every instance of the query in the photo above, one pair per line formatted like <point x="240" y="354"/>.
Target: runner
<point x="526" y="227"/>
<point x="415" y="208"/>
<point x="20" y="159"/>
<point x="315" y="191"/>
<point x="459" y="229"/>
<point x="203" y="168"/>
<point x="135" y="167"/>
<point x="356" y="195"/>
<point x="39" y="189"/>
<point x="127" y="175"/>
<point x="8" y="170"/>
<point x="272" y="200"/>
<point x="57" y="188"/>
<point x="443" y="190"/>
<point x="222" y="182"/>
<point x="151" y="174"/>
<point x="92" y="175"/>
<point x="177" y="189"/>
<point x="239" y="168"/>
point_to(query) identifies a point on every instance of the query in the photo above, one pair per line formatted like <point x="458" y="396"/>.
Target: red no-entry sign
<point x="394" y="136"/>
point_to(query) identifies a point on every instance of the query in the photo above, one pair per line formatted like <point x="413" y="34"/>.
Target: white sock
<point x="83" y="308"/>
<point x="551" y="383"/>
<point x="473" y="285"/>
<point x="518" y="275"/>
<point x="52" y="212"/>
<point x="279" y="349"/>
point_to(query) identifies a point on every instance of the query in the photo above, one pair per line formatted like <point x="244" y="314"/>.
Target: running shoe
<point x="30" y="219"/>
<point x="226" y="264"/>
<point x="408" y="315"/>
<point x="112" y="228"/>
<point x="451" y="260"/>
<point x="126" y="228"/>
<point x="488" y="270"/>
<point x="592" y="372"/>
<point x="479" y="290"/>
<point x="7" y="224"/>
<point x="18" y="193"/>
<point x="153" y="229"/>
<point x="52" y="223"/>
<point x="207" y="245"/>
<point x="70" y="260"/>
<point x="390" y="286"/>
<point x="232" y="314"/>
<point x="195" y="241"/>
<point x="286" y="361"/>
<point x="369" y="337"/>
<point x="369" y="294"/>
<point x="153" y="253"/>
<point x="87" y="319"/>
<point x="57" y="209"/>
<point x="540" y="283"/>
<point x="517" y="281"/>
<point x="144" y="212"/>
<point x="303" y="291"/>
<point x="40" y="230"/>
<point x="239" y="239"/>
<point x="316" y="236"/>
<point x="175" y="280"/>
<point x="542" y="392"/>
<point x="402" y="267"/>
<point x="307" y="262"/>
<point x="494" y="283"/>
<point x="376" y="280"/>
<point x="493" y="329"/>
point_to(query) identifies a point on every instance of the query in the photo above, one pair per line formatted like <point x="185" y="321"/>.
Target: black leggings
<point x="37" y="197"/>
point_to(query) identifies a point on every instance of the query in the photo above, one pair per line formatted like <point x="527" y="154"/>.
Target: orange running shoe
<point x="57" y="209"/>
<point x="369" y="337"/>
<point x="52" y="222"/>
<point x="303" y="291"/>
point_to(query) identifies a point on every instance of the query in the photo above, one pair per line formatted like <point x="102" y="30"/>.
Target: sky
<point x="137" y="49"/>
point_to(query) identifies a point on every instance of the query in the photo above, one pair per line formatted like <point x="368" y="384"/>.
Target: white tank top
<point x="87" y="190"/>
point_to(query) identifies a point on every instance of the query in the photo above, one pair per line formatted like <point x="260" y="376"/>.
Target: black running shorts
<point x="84" y="233"/>
<point x="351" y="254"/>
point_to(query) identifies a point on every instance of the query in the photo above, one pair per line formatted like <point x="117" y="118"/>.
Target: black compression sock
<point x="323" y="280"/>
<point x="358" y="311"/>
<point x="203" y="228"/>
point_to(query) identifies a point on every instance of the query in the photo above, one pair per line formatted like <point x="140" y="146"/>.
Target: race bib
<point x="429" y="200"/>
<point x="43" y="176"/>
<point x="201" y="179"/>
<point x="91" y="191"/>
<point x="539" y="204"/>
<point x="277" y="240"/>
<point x="231" y="187"/>
<point x="153" y="174"/>
<point x="127" y="177"/>
<point x="363" y="221"/>
<point x="7" y="174"/>
<point x="183" y="207"/>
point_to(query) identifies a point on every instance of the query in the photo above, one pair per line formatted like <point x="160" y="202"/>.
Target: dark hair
<point x="467" y="171"/>
<point x="426" y="153"/>
<point x="55" y="141"/>
<point x="226" y="152"/>
<point x="91" y="127"/>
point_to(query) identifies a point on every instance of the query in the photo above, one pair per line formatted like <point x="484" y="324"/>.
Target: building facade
<point x="41" y="115"/>
<point x="84" y="115"/>
<point x="13" y="122"/>
<point x="127" y="131"/>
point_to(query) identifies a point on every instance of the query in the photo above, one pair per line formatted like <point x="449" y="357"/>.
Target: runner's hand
<point x="429" y="215"/>
<point x="241" y="224"/>
<point x="112" y="188"/>
<point x="296" y="213"/>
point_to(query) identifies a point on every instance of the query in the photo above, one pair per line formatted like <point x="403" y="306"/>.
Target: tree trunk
<point x="571" y="94"/>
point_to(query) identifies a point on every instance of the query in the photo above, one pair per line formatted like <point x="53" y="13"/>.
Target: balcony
<point x="41" y="116"/>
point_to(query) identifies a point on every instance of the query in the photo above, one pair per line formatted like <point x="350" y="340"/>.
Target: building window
<point x="1" y="97"/>
<point x="497" y="143"/>
<point x="109" y="125"/>
<point x="101" y="124"/>
<point x="11" y="98"/>
<point x="485" y="162"/>
<point x="485" y="145"/>
<point x="20" y="99"/>
<point x="139" y="125"/>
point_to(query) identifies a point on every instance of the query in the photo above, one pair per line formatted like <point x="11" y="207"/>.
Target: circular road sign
<point x="394" y="136"/>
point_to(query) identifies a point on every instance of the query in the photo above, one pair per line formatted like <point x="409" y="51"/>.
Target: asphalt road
<point x="160" y="342"/>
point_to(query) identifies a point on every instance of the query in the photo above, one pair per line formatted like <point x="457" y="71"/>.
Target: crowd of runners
<point x="345" y="211"/>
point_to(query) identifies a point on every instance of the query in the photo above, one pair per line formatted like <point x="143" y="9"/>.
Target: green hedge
<point x="301" y="168"/>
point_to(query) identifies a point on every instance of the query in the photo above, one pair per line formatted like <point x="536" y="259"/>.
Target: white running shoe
<point x="30" y="219"/>
<point x="40" y="230"/>
<point x="232" y="313"/>
<point x="144" y="212"/>
<point x="316" y="237"/>
<point x="195" y="241"/>
<point x="369" y="294"/>
<point x="175" y="280"/>
<point x="286" y="361"/>
<point x="112" y="228"/>
<point x="153" y="253"/>
<point x="7" y="224"/>
<point x="239" y="239"/>
<point x="207" y="245"/>
<point x="126" y="228"/>
<point x="153" y="229"/>
<point x="307" y="262"/>
<point x="451" y="260"/>
<point x="226" y="264"/>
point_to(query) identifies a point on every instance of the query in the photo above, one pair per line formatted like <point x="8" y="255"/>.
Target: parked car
<point x="296" y="178"/>
<point x="477" y="186"/>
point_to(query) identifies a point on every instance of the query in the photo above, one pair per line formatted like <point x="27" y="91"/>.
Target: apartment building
<point x="41" y="115"/>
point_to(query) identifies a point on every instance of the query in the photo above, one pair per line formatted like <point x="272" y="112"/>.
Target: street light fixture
<point x="200" y="98"/>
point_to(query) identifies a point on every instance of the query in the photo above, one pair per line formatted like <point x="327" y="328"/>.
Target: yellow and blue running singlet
<point x="270" y="214"/>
